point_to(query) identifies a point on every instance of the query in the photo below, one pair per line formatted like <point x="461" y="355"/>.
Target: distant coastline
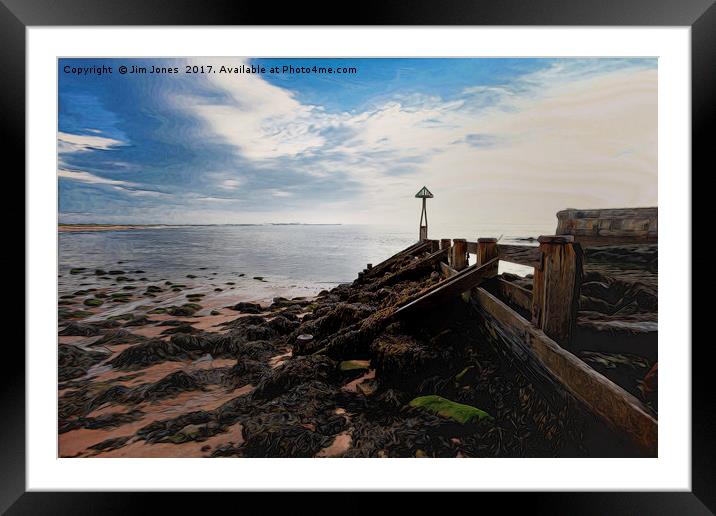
<point x="75" y="228"/>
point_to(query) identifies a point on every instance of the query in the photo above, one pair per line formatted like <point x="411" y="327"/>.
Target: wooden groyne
<point x="533" y="329"/>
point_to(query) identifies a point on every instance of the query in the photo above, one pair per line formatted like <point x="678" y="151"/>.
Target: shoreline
<point x="77" y="228"/>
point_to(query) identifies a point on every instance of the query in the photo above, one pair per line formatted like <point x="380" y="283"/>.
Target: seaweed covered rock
<point x="403" y="362"/>
<point x="148" y="353"/>
<point x="169" y="386"/>
<point x="74" y="361"/>
<point x="245" y="372"/>
<point x="80" y="329"/>
<point x="180" y="328"/>
<point x="273" y="436"/>
<point x="118" y="336"/>
<point x="283" y="324"/>
<point x="331" y="321"/>
<point x="295" y="372"/>
<point x="247" y="308"/>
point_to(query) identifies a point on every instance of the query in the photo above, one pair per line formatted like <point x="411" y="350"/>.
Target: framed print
<point x="273" y="257"/>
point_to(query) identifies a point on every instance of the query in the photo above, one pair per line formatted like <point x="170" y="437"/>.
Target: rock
<point x="215" y="312"/>
<point x="442" y="407"/>
<point x="138" y="321"/>
<point x="100" y="272"/>
<point x="148" y="353"/>
<point x="190" y="276"/>
<point x="185" y="310"/>
<point x="118" y="336"/>
<point x="294" y="372"/>
<point x="74" y="361"/>
<point x="184" y="328"/>
<point x="115" y="272"/>
<point x="77" y="270"/>
<point x="247" y="308"/>
<point x="80" y="329"/>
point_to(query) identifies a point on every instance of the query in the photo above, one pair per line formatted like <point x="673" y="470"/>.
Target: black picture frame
<point x="700" y="15"/>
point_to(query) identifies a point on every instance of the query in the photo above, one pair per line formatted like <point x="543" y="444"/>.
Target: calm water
<point x="292" y="259"/>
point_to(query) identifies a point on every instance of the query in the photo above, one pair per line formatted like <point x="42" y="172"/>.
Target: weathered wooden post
<point x="556" y="284"/>
<point x="458" y="254"/>
<point x="445" y="243"/>
<point x="486" y="250"/>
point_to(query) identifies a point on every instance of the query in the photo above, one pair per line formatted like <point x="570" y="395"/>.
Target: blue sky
<point x="509" y="138"/>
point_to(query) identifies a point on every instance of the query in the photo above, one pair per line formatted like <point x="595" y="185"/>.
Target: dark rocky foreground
<point x="246" y="381"/>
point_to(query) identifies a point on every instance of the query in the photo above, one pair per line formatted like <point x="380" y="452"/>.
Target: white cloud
<point x="86" y="177"/>
<point x="581" y="133"/>
<point x="281" y="193"/>
<point x="229" y="184"/>
<point x="69" y="143"/>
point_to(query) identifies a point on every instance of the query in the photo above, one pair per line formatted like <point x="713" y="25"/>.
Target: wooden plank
<point x="416" y="269"/>
<point x="379" y="269"/>
<point x="445" y="290"/>
<point x="537" y="353"/>
<point x="521" y="254"/>
<point x="514" y="294"/>
<point x="472" y="247"/>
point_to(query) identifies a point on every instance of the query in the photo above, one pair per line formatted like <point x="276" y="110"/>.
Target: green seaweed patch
<point x="349" y="366"/>
<point x="156" y="311"/>
<point x="188" y="433"/>
<point x="215" y="312"/>
<point x="77" y="270"/>
<point x="93" y="302"/>
<point x="443" y="407"/>
<point x="78" y="314"/>
<point x="191" y="276"/>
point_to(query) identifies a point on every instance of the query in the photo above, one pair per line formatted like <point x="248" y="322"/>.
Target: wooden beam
<point x="521" y="254"/>
<point x="556" y="285"/>
<point x="450" y="288"/>
<point x="415" y="269"/>
<point x="538" y="354"/>
<point x="514" y="294"/>
<point x="379" y="269"/>
<point x="472" y="247"/>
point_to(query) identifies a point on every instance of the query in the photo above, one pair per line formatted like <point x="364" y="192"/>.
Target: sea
<point x="261" y="261"/>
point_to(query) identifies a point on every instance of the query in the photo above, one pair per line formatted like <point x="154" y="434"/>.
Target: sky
<point x="498" y="140"/>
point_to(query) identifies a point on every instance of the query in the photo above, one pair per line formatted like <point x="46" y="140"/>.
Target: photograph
<point x="374" y="257"/>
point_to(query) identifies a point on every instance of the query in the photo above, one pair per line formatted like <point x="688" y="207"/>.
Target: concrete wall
<point x="609" y="226"/>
